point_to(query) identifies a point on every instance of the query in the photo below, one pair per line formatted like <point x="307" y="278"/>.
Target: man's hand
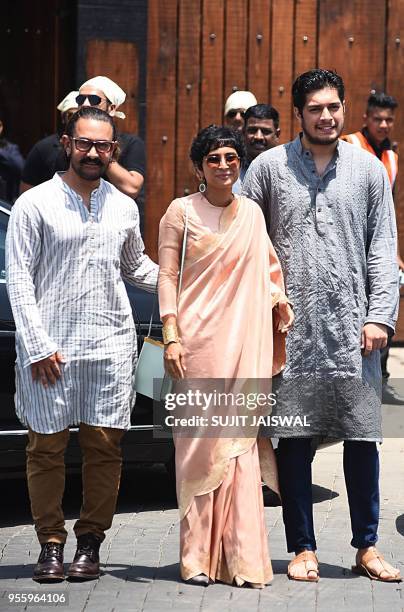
<point x="47" y="370"/>
<point x="374" y="337"/>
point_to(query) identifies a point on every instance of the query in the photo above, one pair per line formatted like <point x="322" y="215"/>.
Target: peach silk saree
<point x="231" y="281"/>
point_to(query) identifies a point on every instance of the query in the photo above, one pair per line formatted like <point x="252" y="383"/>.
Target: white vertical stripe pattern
<point x="65" y="269"/>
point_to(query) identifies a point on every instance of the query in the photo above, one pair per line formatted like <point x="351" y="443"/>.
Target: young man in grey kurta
<point x="71" y="243"/>
<point x="330" y="215"/>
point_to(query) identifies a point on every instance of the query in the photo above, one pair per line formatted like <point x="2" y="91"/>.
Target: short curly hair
<point x="213" y="137"/>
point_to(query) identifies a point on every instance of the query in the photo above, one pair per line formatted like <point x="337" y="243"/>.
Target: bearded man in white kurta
<point x="72" y="242"/>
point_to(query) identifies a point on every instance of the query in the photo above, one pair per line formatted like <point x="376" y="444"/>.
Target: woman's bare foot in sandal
<point x="304" y="567"/>
<point x="369" y="562"/>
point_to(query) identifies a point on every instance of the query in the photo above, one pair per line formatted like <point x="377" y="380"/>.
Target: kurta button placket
<point x="317" y="206"/>
<point x="92" y="226"/>
<point x="320" y="217"/>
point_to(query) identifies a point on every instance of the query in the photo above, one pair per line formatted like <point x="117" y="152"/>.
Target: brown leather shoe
<point x="86" y="562"/>
<point x="50" y="563"/>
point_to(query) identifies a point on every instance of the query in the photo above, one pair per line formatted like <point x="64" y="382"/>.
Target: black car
<point x="140" y="443"/>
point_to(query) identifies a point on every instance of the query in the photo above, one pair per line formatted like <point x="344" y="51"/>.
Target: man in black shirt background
<point x="11" y="164"/>
<point x="126" y="173"/>
<point x="46" y="156"/>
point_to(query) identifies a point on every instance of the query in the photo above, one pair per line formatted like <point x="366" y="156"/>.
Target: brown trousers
<point x="101" y="472"/>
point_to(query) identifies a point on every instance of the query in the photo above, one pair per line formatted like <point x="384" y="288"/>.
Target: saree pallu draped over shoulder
<point x="231" y="280"/>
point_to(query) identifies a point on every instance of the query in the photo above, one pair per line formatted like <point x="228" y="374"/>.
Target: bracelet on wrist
<point x="170" y="334"/>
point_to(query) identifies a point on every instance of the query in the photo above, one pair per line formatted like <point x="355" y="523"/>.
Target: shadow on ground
<point x="142" y="488"/>
<point x="320" y="494"/>
<point x="170" y="573"/>
<point x="400" y="524"/>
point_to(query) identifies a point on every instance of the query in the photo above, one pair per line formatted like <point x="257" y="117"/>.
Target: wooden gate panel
<point x="188" y="100"/>
<point x="259" y="44"/>
<point x="305" y="43"/>
<point x="351" y="41"/>
<point x="212" y="62"/>
<point x="394" y="87"/>
<point x="161" y="115"/>
<point x="235" y="54"/>
<point x="282" y="63"/>
<point x="30" y="73"/>
<point x="119" y="61"/>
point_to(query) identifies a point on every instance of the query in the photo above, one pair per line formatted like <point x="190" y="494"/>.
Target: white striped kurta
<point x="65" y="268"/>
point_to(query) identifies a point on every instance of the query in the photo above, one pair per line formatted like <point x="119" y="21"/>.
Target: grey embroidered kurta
<point x="335" y="236"/>
<point x="65" y="270"/>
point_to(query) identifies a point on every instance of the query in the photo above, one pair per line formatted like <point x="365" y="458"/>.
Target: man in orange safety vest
<point x="374" y="136"/>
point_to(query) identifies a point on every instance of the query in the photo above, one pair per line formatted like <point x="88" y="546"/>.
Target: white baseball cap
<point x="239" y="100"/>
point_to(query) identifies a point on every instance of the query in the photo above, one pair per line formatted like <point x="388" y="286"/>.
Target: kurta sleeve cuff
<point x="168" y="311"/>
<point x="374" y="319"/>
<point x="40" y="351"/>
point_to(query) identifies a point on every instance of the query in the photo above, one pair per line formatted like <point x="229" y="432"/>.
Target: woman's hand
<point x="174" y="360"/>
<point x="285" y="316"/>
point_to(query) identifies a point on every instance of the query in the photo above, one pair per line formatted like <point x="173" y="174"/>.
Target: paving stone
<point x="140" y="557"/>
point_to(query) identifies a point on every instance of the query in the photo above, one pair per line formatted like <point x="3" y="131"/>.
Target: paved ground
<point x="140" y="554"/>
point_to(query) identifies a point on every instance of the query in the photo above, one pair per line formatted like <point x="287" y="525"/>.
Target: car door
<point x="8" y="419"/>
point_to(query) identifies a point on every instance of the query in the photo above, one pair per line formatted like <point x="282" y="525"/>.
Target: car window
<point x="3" y="230"/>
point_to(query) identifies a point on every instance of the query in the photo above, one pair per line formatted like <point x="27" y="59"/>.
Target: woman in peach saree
<point x="221" y="328"/>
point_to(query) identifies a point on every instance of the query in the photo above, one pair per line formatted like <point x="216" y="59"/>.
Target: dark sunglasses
<point x="85" y="145"/>
<point x="232" y="113"/>
<point x="214" y="160"/>
<point x="92" y="98"/>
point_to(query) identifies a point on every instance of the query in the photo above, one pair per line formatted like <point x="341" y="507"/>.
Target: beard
<point x="88" y="169"/>
<point x="323" y="140"/>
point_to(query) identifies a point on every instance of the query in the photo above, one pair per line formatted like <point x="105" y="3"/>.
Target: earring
<point x="202" y="187"/>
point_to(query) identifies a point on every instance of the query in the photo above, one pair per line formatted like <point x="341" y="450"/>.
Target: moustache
<point x="92" y="162"/>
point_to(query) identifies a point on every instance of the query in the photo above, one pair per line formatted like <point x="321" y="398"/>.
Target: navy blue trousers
<point x="361" y="470"/>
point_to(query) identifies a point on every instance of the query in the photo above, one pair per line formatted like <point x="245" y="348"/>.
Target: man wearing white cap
<point x="68" y="106"/>
<point x="46" y="156"/>
<point x="235" y="107"/>
<point x="126" y="173"/>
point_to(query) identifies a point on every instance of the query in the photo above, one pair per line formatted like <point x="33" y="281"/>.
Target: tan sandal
<point x="303" y="557"/>
<point x="363" y="568"/>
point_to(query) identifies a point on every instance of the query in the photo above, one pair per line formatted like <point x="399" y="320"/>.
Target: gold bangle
<point x="170" y="334"/>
